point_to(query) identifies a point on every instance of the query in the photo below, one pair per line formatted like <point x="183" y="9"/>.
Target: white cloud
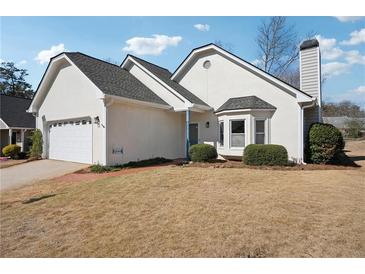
<point x="334" y="69"/>
<point x="349" y="18"/>
<point x="151" y="46"/>
<point x="360" y="90"/>
<point x="202" y="27"/>
<point x="44" y="55"/>
<point x="357" y="37"/>
<point x="328" y="48"/>
<point x="354" y="57"/>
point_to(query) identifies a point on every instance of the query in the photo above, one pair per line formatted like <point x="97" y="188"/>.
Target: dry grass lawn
<point x="191" y="212"/>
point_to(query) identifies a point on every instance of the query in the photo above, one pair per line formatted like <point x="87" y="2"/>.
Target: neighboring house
<point x="16" y="124"/>
<point x="92" y="111"/>
<point x="341" y="122"/>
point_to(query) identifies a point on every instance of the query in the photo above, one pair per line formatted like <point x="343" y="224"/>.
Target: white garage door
<point x="71" y="141"/>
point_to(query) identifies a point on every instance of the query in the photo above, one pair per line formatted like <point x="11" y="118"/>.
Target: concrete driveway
<point x="28" y="173"/>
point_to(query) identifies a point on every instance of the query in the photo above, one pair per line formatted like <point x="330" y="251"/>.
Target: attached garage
<point x="71" y="141"/>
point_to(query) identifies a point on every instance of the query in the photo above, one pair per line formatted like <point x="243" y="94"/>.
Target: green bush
<point x="37" y="144"/>
<point x="202" y="153"/>
<point x="270" y="155"/>
<point x="11" y="151"/>
<point x="324" y="143"/>
<point x="100" y="169"/>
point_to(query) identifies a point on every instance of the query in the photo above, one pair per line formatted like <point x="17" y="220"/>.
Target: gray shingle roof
<point x="165" y="75"/>
<point x="247" y="102"/>
<point x="112" y="79"/>
<point x="13" y="112"/>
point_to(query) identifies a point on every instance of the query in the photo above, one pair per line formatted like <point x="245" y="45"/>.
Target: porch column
<point x="187" y="140"/>
<point x="22" y="139"/>
<point x="10" y="134"/>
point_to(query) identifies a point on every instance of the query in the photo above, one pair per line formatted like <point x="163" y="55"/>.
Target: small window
<point x="221" y="133"/>
<point x="260" y="132"/>
<point x="237" y="133"/>
<point x="207" y="64"/>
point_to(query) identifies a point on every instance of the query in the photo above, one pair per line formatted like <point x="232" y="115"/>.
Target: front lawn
<point x="189" y="212"/>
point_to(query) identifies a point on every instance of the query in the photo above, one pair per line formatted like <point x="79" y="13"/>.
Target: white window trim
<point x="265" y="129"/>
<point x="230" y="133"/>
<point x="219" y="133"/>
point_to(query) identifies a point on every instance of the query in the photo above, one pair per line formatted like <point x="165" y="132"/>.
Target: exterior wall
<point x="225" y="79"/>
<point x="3" y="125"/>
<point x="156" y="87"/>
<point x="72" y="95"/>
<point x="205" y="135"/>
<point x="4" y="139"/>
<point x="138" y="132"/>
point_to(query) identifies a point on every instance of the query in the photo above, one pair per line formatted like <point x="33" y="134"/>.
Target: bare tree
<point x="224" y="45"/>
<point x="278" y="45"/>
<point x="111" y="61"/>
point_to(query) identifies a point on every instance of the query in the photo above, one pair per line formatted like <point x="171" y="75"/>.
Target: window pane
<point x="237" y="140"/>
<point x="260" y="138"/>
<point x="238" y="126"/>
<point x="221" y="133"/>
<point x="260" y="126"/>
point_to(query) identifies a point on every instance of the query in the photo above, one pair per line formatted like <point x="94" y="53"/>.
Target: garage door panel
<point x="71" y="142"/>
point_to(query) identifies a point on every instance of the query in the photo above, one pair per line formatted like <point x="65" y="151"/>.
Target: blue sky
<point x="30" y="41"/>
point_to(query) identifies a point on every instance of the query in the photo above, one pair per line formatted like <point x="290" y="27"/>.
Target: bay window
<point x="260" y="131"/>
<point x="237" y="133"/>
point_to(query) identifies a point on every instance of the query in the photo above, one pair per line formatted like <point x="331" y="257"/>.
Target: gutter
<point x="302" y="108"/>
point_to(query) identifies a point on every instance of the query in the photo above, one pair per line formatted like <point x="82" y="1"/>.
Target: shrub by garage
<point x="269" y="155"/>
<point x="202" y="153"/>
<point x="11" y="151"/>
<point x="324" y="143"/>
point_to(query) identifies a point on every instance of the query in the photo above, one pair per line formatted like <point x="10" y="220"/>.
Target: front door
<point x="193" y="134"/>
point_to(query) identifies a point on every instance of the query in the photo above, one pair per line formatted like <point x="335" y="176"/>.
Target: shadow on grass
<point x="38" y="198"/>
<point x="343" y="160"/>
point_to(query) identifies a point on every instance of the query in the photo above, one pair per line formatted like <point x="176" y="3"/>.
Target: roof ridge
<point x="92" y="57"/>
<point x="133" y="56"/>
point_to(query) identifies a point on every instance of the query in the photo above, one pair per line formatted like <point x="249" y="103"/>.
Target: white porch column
<point x="22" y="139"/>
<point x="10" y="134"/>
<point x="187" y="138"/>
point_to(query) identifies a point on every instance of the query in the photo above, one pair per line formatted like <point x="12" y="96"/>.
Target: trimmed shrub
<point x="324" y="143"/>
<point x="100" y="169"/>
<point x="11" y="151"/>
<point x="269" y="155"/>
<point x="37" y="144"/>
<point x="202" y="153"/>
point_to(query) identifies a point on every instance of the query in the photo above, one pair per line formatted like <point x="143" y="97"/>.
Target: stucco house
<point x="92" y="111"/>
<point x="16" y="124"/>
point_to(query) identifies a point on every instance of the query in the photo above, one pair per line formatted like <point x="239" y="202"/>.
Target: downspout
<point x="104" y="123"/>
<point x="302" y="108"/>
<point x="187" y="138"/>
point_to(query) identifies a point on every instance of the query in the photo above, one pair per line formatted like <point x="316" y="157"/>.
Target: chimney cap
<point x="312" y="43"/>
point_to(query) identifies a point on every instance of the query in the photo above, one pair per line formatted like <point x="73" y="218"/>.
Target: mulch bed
<point x="238" y="164"/>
